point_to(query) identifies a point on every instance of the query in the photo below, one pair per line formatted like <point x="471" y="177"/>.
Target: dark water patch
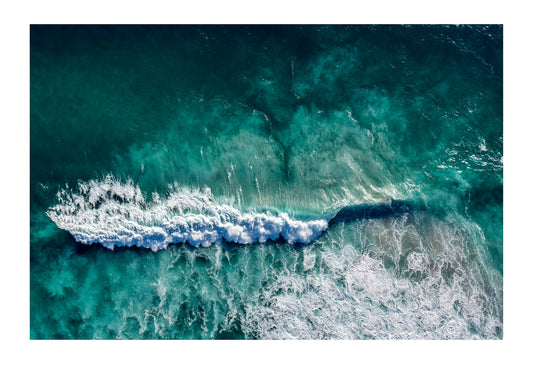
<point x="373" y="211"/>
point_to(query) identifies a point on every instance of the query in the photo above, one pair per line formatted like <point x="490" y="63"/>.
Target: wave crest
<point x="113" y="213"/>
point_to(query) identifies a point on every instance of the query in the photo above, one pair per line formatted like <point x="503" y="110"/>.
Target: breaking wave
<point x="113" y="213"/>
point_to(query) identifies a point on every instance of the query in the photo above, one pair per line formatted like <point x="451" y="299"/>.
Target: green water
<point x="303" y="120"/>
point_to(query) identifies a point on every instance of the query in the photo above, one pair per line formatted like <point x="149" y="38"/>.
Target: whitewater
<point x="117" y="214"/>
<point x="427" y="277"/>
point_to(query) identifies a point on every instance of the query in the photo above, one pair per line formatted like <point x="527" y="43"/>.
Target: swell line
<point x="115" y="214"/>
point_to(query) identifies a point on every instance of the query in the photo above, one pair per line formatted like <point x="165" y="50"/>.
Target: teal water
<point x="266" y="182"/>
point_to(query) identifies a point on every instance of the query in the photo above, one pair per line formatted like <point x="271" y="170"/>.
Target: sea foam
<point x="408" y="277"/>
<point x="114" y="213"/>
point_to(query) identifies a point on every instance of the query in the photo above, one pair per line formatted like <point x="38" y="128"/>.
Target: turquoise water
<point x="266" y="182"/>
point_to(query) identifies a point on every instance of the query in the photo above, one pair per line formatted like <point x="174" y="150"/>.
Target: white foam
<point x="113" y="213"/>
<point x="383" y="279"/>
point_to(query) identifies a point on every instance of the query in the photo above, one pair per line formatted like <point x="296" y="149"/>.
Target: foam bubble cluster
<point x="412" y="277"/>
<point x="113" y="213"/>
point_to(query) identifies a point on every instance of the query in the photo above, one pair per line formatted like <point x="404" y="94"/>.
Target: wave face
<point x="113" y="214"/>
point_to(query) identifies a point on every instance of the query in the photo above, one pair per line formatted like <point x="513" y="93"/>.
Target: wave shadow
<point x="372" y="211"/>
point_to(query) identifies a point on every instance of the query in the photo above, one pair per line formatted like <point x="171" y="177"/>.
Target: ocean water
<point x="266" y="182"/>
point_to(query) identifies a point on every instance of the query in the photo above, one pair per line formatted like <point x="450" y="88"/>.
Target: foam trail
<point x="113" y="213"/>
